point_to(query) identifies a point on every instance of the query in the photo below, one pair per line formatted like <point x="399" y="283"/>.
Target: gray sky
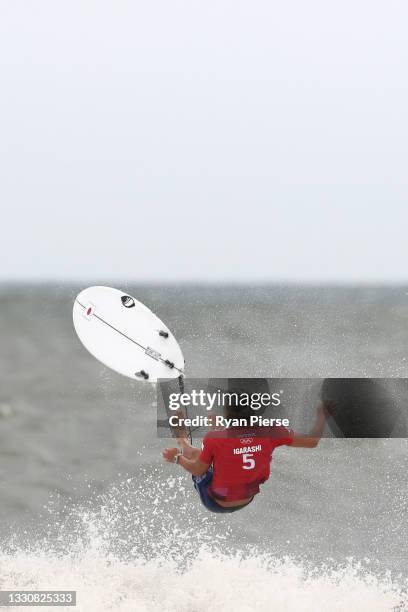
<point x="218" y="141"/>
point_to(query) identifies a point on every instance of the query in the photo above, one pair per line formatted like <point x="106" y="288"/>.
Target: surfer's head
<point x="236" y="405"/>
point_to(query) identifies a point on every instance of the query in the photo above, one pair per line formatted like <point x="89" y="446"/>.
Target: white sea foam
<point x="136" y="551"/>
<point x="211" y="581"/>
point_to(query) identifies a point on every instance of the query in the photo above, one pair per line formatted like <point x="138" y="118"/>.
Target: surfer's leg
<point x="201" y="484"/>
<point x="188" y="450"/>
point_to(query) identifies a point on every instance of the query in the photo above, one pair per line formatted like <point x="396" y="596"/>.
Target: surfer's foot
<point x="188" y="451"/>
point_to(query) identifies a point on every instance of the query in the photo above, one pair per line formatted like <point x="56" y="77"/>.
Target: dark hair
<point x="233" y="408"/>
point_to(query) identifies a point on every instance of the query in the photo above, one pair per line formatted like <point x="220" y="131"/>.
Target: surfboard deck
<point x="125" y="335"/>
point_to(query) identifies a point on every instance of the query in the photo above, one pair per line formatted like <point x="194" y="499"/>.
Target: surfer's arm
<point x="312" y="439"/>
<point x="196" y="467"/>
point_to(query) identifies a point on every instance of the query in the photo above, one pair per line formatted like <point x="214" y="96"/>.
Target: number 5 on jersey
<point x="248" y="461"/>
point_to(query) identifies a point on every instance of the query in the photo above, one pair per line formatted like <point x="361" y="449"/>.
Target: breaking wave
<point x="145" y="548"/>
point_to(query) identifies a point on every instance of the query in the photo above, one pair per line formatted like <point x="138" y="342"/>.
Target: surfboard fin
<point x="142" y="374"/>
<point x="169" y="363"/>
<point x="163" y="334"/>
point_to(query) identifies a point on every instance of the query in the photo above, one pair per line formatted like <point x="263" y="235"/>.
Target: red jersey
<point x="241" y="459"/>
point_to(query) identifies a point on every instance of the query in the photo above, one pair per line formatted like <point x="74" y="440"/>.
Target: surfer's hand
<point x="170" y="453"/>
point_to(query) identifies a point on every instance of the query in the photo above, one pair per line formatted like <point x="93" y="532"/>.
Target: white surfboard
<point x="125" y="335"/>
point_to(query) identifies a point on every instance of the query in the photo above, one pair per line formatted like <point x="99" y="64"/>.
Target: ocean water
<point x="87" y="504"/>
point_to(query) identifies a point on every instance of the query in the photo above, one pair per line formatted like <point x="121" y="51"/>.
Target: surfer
<point x="233" y="462"/>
